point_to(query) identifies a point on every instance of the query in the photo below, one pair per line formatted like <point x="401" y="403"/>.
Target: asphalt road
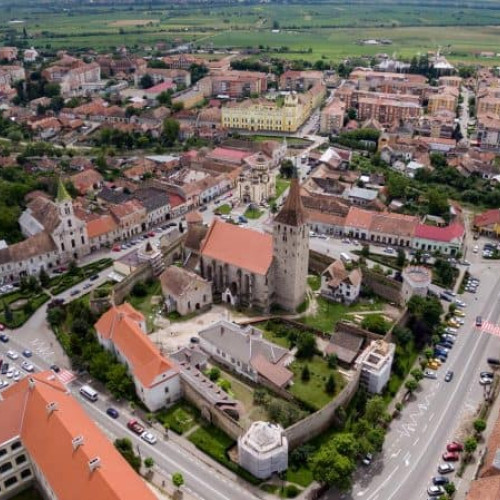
<point x="418" y="438"/>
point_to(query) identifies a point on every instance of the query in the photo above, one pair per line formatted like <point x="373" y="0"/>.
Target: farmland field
<point x="328" y="29"/>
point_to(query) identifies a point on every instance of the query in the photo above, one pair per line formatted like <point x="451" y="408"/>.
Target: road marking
<point x="431" y="417"/>
<point x="416" y="441"/>
<point x="375" y="494"/>
<point x="425" y="427"/>
<point x="396" y="454"/>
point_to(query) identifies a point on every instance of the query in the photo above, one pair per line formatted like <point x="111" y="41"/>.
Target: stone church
<point x="252" y="269"/>
<point x="257" y="182"/>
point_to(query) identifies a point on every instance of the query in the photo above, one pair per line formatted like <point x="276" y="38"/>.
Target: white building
<point x="121" y="330"/>
<point x="339" y="284"/>
<point x="375" y="363"/>
<point x="263" y="450"/>
<point x="416" y="281"/>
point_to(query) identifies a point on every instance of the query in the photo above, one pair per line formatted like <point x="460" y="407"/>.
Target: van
<point x="345" y="258"/>
<point x="89" y="393"/>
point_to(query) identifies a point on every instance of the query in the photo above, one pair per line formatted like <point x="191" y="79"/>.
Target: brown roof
<point x="240" y="247"/>
<point x="31" y="247"/>
<point x="338" y="274"/>
<point x="274" y="372"/>
<point x="359" y="218"/>
<point x="102" y="225"/>
<point x="397" y="224"/>
<point x="485" y="489"/>
<point x="46" y="212"/>
<point x="345" y="345"/>
<point x="194" y="237"/>
<point x="292" y="213"/>
<point x="48" y="436"/>
<point x="178" y="281"/>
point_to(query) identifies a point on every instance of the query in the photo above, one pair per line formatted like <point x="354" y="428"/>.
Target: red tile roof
<point x="229" y="154"/>
<point x="102" y="225"/>
<point x="121" y="325"/>
<point x="487" y="218"/>
<point x="48" y="435"/>
<point x="359" y="218"/>
<point x="238" y="246"/>
<point x="161" y="87"/>
<point x="448" y="233"/>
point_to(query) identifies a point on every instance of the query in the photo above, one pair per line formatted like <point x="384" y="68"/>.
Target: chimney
<point x="94" y="464"/>
<point x="52" y="407"/>
<point x="31" y="383"/>
<point x="77" y="442"/>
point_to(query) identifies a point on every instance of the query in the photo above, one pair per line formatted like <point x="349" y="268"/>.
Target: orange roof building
<point x="47" y="437"/>
<point x="121" y="330"/>
<point x="102" y="231"/>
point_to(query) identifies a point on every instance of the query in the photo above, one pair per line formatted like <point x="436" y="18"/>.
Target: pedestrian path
<point x="65" y="376"/>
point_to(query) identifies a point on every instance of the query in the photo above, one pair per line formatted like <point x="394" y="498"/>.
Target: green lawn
<point x="215" y="443"/>
<point x="180" y="418"/>
<point x="313" y="391"/>
<point x="314" y="282"/>
<point x="302" y="477"/>
<point x="223" y="209"/>
<point x="22" y="313"/>
<point x="144" y="304"/>
<point x="252" y="213"/>
<point x="281" y="185"/>
<point x="275" y="339"/>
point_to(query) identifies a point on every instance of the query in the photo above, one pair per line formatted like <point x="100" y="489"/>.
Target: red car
<point x="116" y="248"/>
<point x="2" y="327"/>
<point x="454" y="446"/>
<point x="151" y="234"/>
<point x="451" y="456"/>
<point x="135" y="427"/>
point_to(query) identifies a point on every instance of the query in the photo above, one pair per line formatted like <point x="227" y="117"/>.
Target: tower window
<point x="69" y="223"/>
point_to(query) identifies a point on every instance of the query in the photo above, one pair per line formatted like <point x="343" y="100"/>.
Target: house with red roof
<point x="47" y="438"/>
<point x="488" y="222"/>
<point x="122" y="330"/>
<point x="447" y="240"/>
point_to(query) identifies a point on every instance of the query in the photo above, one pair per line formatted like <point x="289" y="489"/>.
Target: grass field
<point x="328" y="29"/>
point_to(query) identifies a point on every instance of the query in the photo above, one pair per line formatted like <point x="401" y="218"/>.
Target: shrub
<point x="291" y="491"/>
<point x="139" y="290"/>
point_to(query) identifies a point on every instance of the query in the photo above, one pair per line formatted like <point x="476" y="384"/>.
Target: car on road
<point x="116" y="248"/>
<point x="440" y="480"/>
<point x="454" y="446"/>
<point x="389" y="250"/>
<point x="12" y="355"/>
<point x="94" y="277"/>
<point x="87" y="286"/>
<point x="448" y="377"/>
<point x="75" y="292"/>
<point x="460" y="303"/>
<point x="55" y="368"/>
<point x="4" y="338"/>
<point x="445" y="468"/>
<point x="479" y="321"/>
<point x="112" y="412"/>
<point x="430" y="374"/>
<point x="149" y="437"/>
<point x="451" y="456"/>
<point x="135" y="427"/>
<point x="435" y="491"/>
<point x="27" y="353"/>
<point x="27" y="366"/>
<point x="485" y="380"/>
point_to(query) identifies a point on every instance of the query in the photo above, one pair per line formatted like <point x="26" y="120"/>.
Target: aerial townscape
<point x="249" y="250"/>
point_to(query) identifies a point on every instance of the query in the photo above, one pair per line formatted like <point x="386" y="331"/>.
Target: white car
<point x="4" y="384"/>
<point x="12" y="355"/>
<point x="435" y="491"/>
<point x="475" y="249"/>
<point x="148" y="437"/>
<point x="10" y="373"/>
<point x="17" y="375"/>
<point x="27" y="366"/>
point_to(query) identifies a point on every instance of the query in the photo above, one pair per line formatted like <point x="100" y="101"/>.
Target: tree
<point x="214" y="374"/>
<point x="365" y="251"/>
<point x="124" y="446"/>
<point x="332" y="361"/>
<point x="146" y="81"/>
<point x="260" y="396"/>
<point x="397" y="186"/>
<point x="438" y="202"/>
<point x="375" y="323"/>
<point x="401" y="258"/>
<point x="73" y="269"/>
<point x="225" y="385"/>
<point x="411" y="385"/>
<point x="139" y="289"/>
<point x="305" y="375"/>
<point x="165" y="98"/>
<point x="149" y="462"/>
<point x="177" y="106"/>
<point x="375" y="409"/>
<point x="7" y="312"/>
<point x="170" y="132"/>
<point x="479" y="425"/>
<point x="330" y="385"/>
<point x="346" y="444"/>
<point x="177" y="479"/>
<point x="376" y="437"/>
<point x="470" y="445"/>
<point x="119" y="382"/>
<point x="402" y="335"/>
<point x="306" y="345"/>
<point x="332" y="468"/>
<point x="52" y="89"/>
<point x="286" y="169"/>
<point x="352" y="113"/>
<point x="55" y="316"/>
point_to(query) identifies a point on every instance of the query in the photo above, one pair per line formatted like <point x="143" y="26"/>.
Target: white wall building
<point x="121" y="330"/>
<point x="416" y="281"/>
<point x="375" y="363"/>
<point x="263" y="450"/>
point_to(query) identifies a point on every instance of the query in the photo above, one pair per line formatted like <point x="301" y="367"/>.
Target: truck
<point x="135" y="427"/>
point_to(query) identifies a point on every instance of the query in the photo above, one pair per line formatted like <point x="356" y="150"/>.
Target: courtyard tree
<point x="417" y="374"/>
<point x="170" y="131"/>
<point x="214" y="374"/>
<point x="177" y="479"/>
<point x="305" y="375"/>
<point x="306" y="345"/>
<point x="375" y="409"/>
<point x="332" y="468"/>
<point x="479" y="425"/>
<point x="470" y="446"/>
<point x="330" y="385"/>
<point x="411" y="385"/>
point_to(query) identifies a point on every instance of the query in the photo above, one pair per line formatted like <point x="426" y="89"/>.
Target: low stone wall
<point x="318" y="422"/>
<point x="383" y="286"/>
<point x="318" y="262"/>
<point x="122" y="289"/>
<point x="213" y="415"/>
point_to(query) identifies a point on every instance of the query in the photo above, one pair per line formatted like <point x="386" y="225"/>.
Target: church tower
<point x="290" y="251"/>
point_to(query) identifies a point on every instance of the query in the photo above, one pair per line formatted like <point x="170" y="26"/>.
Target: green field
<point x="328" y="29"/>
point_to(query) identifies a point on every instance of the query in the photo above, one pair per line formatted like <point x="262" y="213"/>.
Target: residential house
<point x="8" y="54"/>
<point x="88" y="181"/>
<point x="339" y="284"/>
<point x="244" y="350"/>
<point x="332" y="117"/>
<point x="488" y="222"/>
<point x="122" y="330"/>
<point x="447" y="240"/>
<point x="184" y="291"/>
<point x="103" y="231"/>
<point x="131" y="217"/>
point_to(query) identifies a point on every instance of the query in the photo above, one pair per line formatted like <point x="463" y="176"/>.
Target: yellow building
<point x="445" y="99"/>
<point x="489" y="106"/>
<point x="282" y="115"/>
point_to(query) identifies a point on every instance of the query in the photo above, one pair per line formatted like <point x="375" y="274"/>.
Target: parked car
<point x="27" y="353"/>
<point x="454" y="446"/>
<point x="4" y="338"/>
<point x="445" y="296"/>
<point x="74" y="292"/>
<point x="367" y="460"/>
<point x="12" y="355"/>
<point x="435" y="491"/>
<point x="440" y="480"/>
<point x="149" y="437"/>
<point x="449" y="376"/>
<point x="430" y="374"/>
<point x="55" y="368"/>
<point x="451" y="456"/>
<point x="116" y="248"/>
<point x="135" y="427"/>
<point x="112" y="412"/>
<point x="445" y="468"/>
<point x="94" y="277"/>
<point x="485" y="381"/>
<point x="25" y="365"/>
<point x="494" y="361"/>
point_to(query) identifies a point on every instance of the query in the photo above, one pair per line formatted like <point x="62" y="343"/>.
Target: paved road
<point x="418" y="438"/>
